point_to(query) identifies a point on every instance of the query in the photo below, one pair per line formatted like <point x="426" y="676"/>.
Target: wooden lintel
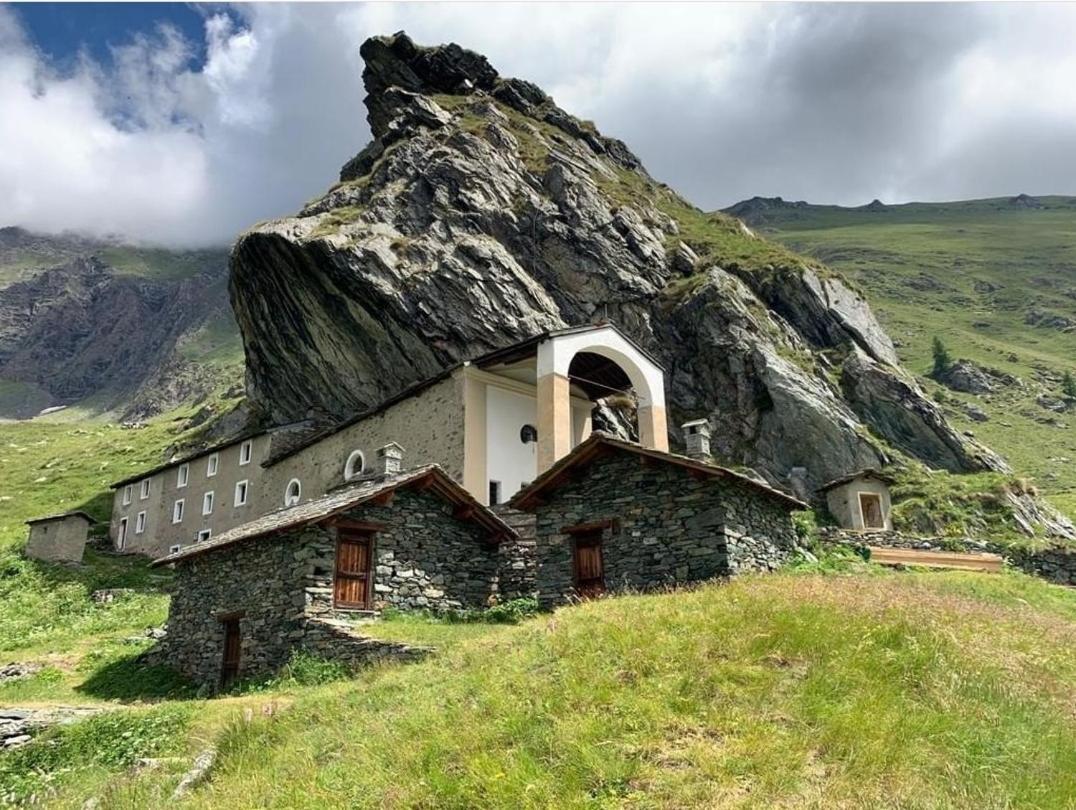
<point x="591" y="526"/>
<point x="350" y="524"/>
<point x="699" y="474"/>
<point x="463" y="512"/>
<point x="384" y="499"/>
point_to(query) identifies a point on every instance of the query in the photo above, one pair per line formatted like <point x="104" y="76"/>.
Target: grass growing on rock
<point x="849" y="690"/>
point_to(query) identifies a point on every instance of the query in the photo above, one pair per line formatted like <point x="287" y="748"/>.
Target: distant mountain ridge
<point x="111" y="326"/>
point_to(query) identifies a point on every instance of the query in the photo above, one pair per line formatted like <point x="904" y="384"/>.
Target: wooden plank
<point x="991" y="563"/>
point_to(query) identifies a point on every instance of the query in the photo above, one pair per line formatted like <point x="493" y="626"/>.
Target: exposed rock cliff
<point x="482" y="213"/>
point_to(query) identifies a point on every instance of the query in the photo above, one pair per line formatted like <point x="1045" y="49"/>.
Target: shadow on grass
<point x="132" y="678"/>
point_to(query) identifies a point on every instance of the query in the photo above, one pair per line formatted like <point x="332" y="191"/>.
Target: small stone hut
<point x="245" y="600"/>
<point x="613" y="515"/>
<point x="58" y="538"/>
<point x="860" y="501"/>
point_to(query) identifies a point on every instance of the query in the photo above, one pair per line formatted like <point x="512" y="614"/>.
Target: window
<point x="211" y="465"/>
<point x="204" y="535"/>
<point x="174" y="549"/>
<point x="356" y="463"/>
<point x="128" y="494"/>
<point x="182" y="474"/>
<point x="177" y="511"/>
<point x="121" y="538"/>
<point x="245" y="450"/>
<point x="293" y="492"/>
<point x="494" y="493"/>
<point x="140" y="523"/>
<point x="143" y="491"/>
<point x="241" y="493"/>
<point x="528" y="434"/>
<point x="207" y="503"/>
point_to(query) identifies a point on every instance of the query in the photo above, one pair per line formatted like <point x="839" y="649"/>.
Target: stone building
<point x="492" y="423"/>
<point x="245" y="600"/>
<point x="58" y="538"/>
<point x="860" y="501"/>
<point x="617" y="516"/>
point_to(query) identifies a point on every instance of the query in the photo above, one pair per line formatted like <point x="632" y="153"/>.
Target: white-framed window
<point x="128" y="494"/>
<point x="204" y="535"/>
<point x="140" y="522"/>
<point x="242" y="489"/>
<point x="211" y="465"/>
<point x="246" y="449"/>
<point x="121" y="537"/>
<point x="177" y="511"/>
<point x="207" y="503"/>
<point x="143" y="490"/>
<point x="293" y="492"/>
<point x="174" y="549"/>
<point x="356" y="463"/>
<point x="182" y="475"/>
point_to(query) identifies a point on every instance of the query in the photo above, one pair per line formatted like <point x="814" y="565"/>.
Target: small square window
<point x="177" y="511"/>
<point x="140" y="523"/>
<point x="241" y="493"/>
<point x="212" y="465"/>
<point x="143" y="491"/>
<point x="128" y="494"/>
<point x="182" y="474"/>
<point x="204" y="535"/>
<point x="174" y="549"/>
<point x="207" y="503"/>
<point x="245" y="451"/>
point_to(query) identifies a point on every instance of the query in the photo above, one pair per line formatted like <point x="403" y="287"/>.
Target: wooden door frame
<point x="343" y="534"/>
<point x="860" y="495"/>
<point x="231" y="620"/>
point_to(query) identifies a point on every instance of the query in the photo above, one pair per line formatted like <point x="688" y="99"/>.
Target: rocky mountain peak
<point x="481" y="214"/>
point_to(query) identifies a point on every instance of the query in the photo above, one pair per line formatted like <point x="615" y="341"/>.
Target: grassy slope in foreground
<point x="969" y="272"/>
<point x="871" y="690"/>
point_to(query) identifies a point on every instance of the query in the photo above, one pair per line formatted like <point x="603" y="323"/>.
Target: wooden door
<point x="589" y="571"/>
<point x="229" y="668"/>
<point x="351" y="585"/>
<point x="871" y="507"/>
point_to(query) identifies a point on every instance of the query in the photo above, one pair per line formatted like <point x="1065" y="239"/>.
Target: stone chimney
<point x="390" y="459"/>
<point x="697" y="439"/>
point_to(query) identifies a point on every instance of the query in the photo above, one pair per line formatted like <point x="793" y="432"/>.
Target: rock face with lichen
<point x="481" y="213"/>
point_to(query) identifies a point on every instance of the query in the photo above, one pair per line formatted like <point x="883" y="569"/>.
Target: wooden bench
<point x="936" y="559"/>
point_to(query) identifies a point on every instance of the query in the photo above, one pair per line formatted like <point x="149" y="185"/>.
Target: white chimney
<point x="390" y="459"/>
<point x="697" y="439"/>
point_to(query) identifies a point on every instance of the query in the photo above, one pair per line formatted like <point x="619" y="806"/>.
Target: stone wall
<point x="282" y="587"/>
<point x="1055" y="563"/>
<point x="61" y="539"/>
<point x="669" y="527"/>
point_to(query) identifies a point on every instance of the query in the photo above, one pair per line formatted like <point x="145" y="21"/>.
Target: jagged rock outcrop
<point x="481" y="213"/>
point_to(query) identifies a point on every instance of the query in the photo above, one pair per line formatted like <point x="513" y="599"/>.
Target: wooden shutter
<point x="229" y="668"/>
<point x="589" y="571"/>
<point x="351" y="585"/>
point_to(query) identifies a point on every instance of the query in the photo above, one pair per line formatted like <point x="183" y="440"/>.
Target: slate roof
<point x="599" y="443"/>
<point x="866" y="473"/>
<point x="61" y="515"/>
<point x="345" y="498"/>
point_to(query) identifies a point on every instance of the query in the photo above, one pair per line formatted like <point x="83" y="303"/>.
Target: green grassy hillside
<point x="995" y="279"/>
<point x="798" y="689"/>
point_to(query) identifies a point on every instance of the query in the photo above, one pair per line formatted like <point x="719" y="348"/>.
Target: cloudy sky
<point x="186" y="124"/>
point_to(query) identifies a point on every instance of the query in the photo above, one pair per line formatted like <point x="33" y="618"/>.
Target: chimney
<point x="390" y="459"/>
<point x="697" y="439"/>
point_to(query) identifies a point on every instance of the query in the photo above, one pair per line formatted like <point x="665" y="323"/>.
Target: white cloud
<point x="831" y="103"/>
